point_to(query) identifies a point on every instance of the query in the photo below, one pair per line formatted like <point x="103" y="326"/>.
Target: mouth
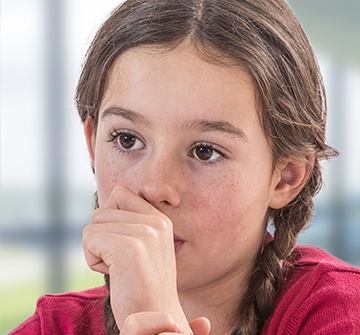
<point x="178" y="242"/>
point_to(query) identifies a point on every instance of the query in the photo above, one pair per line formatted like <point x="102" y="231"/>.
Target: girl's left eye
<point x="206" y="153"/>
<point x="126" y="141"/>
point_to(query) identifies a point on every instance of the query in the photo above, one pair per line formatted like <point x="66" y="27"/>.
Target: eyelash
<point x="197" y="145"/>
<point x="116" y="133"/>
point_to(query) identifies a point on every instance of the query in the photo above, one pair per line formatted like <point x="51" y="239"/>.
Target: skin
<point x="179" y="154"/>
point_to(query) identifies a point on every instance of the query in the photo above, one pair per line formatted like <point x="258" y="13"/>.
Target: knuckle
<point x="147" y="231"/>
<point x="133" y="246"/>
<point x="118" y="191"/>
<point x="131" y="321"/>
<point x="96" y="215"/>
<point x="167" y="319"/>
<point x="161" y="224"/>
<point x="86" y="239"/>
<point x="85" y="231"/>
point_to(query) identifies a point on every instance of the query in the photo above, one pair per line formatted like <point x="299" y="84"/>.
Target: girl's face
<point x="185" y="135"/>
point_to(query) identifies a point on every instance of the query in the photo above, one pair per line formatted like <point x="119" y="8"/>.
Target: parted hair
<point x="265" y="38"/>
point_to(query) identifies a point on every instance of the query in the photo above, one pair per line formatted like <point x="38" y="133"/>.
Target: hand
<point x="201" y="326"/>
<point x="155" y="323"/>
<point x="132" y="241"/>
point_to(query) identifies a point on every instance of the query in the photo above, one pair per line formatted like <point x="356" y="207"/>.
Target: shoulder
<point x="320" y="294"/>
<point x="81" y="298"/>
<point x="311" y="265"/>
<point x="67" y="313"/>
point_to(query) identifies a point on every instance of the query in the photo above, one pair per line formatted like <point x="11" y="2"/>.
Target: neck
<point x="218" y="302"/>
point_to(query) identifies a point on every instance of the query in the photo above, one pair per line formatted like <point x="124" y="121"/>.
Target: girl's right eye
<point x="126" y="141"/>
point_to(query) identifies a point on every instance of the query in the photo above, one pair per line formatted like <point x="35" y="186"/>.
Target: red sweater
<point x="321" y="296"/>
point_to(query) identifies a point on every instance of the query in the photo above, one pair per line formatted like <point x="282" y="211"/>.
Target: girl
<point x="205" y="123"/>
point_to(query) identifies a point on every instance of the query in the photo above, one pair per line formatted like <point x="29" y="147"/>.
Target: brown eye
<point x="127" y="141"/>
<point x="204" y="153"/>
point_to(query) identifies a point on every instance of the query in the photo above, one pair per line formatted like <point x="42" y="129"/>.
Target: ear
<point x="289" y="179"/>
<point x="89" y="132"/>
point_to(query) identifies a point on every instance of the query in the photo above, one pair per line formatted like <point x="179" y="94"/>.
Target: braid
<point x="264" y="38"/>
<point x="111" y="327"/>
<point x="272" y="263"/>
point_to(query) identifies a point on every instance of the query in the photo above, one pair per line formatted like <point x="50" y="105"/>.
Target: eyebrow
<point x="127" y="114"/>
<point x="215" y="127"/>
<point x="197" y="124"/>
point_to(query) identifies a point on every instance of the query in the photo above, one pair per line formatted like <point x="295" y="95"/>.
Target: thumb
<point x="200" y="326"/>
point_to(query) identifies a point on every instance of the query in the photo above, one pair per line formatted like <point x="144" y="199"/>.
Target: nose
<point x="160" y="182"/>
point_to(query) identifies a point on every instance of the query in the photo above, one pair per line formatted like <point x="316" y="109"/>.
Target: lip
<point x="178" y="242"/>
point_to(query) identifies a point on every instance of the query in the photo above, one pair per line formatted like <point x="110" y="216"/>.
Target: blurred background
<point x="46" y="183"/>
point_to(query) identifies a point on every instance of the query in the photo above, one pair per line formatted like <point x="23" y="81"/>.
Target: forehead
<point x="175" y="71"/>
<point x="177" y="90"/>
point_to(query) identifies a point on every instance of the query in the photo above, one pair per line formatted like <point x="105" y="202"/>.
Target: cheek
<point x="215" y="202"/>
<point x="109" y="174"/>
<point x="235" y="203"/>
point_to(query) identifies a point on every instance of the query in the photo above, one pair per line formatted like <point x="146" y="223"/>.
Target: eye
<point x="126" y="141"/>
<point x="206" y="153"/>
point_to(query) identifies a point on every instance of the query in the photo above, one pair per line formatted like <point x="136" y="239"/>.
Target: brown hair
<point x="265" y="38"/>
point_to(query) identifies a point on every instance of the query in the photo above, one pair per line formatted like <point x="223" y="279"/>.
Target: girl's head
<point x="264" y="39"/>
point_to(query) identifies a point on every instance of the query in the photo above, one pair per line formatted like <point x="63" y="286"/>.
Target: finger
<point x="201" y="326"/>
<point x="100" y="249"/>
<point x="123" y="198"/>
<point x="109" y="215"/>
<point x="102" y="215"/>
<point x="149" y="323"/>
<point x="104" y="245"/>
<point x="138" y="230"/>
<point x="93" y="251"/>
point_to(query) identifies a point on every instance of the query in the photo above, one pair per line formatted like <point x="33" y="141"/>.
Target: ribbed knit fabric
<point x="321" y="296"/>
<point x="77" y="313"/>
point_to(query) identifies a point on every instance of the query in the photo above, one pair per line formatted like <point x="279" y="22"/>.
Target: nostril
<point x="141" y="195"/>
<point x="164" y="202"/>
